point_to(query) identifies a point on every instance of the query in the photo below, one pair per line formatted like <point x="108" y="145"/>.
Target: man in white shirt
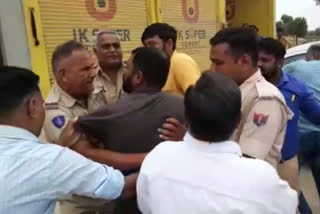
<point x="206" y="173"/>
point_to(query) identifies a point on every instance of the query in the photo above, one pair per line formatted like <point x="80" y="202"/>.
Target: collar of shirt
<point x="253" y="78"/>
<point x="98" y="87"/>
<point x="109" y="87"/>
<point x="146" y="91"/>
<point x="174" y="53"/>
<point x="288" y="82"/>
<point x="284" y="79"/>
<point x="57" y="94"/>
<point x="226" y="147"/>
<point x="106" y="77"/>
<point x="69" y="101"/>
<point x="17" y="133"/>
<point x="249" y="84"/>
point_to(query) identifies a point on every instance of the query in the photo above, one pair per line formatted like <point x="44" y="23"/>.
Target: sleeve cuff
<point x="113" y="186"/>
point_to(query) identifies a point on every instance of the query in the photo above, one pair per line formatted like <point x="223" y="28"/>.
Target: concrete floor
<point x="309" y="189"/>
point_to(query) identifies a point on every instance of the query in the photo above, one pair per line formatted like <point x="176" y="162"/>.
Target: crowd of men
<point x="153" y="134"/>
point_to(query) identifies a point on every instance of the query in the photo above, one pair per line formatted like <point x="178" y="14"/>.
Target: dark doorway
<point x="1" y="56"/>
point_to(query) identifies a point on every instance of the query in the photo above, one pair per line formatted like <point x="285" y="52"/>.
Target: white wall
<point x="14" y="45"/>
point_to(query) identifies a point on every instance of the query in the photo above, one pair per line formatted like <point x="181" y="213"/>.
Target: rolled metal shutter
<point x="63" y="20"/>
<point x="196" y="22"/>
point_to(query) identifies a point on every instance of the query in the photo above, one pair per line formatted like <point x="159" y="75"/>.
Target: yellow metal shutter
<point x="36" y="44"/>
<point x="258" y="13"/>
<point x="65" y="20"/>
<point x="196" y="22"/>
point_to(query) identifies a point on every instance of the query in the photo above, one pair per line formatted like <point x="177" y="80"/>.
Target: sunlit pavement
<point x="309" y="189"/>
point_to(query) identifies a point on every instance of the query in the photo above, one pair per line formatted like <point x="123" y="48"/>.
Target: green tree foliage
<point x="298" y="27"/>
<point x="286" y="19"/>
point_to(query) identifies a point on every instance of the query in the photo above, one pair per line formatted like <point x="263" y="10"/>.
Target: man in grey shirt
<point x="131" y="125"/>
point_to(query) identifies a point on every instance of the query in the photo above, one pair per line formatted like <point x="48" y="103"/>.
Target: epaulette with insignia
<point x="264" y="93"/>
<point x="51" y="106"/>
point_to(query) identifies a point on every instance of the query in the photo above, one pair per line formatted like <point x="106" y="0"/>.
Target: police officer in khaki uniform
<point x="261" y="130"/>
<point x="109" y="55"/>
<point x="61" y="107"/>
<point x="74" y="94"/>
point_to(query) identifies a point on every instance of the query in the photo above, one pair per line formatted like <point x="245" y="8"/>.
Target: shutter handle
<point x="34" y="27"/>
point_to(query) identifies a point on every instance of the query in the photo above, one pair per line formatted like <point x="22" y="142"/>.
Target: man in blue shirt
<point x="308" y="71"/>
<point x="32" y="174"/>
<point x="298" y="98"/>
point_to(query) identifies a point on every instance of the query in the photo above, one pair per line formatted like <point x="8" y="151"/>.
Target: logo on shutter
<point x="190" y="12"/>
<point x="102" y="10"/>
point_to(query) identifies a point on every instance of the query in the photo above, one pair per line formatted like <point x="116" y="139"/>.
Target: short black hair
<point x="240" y="40"/>
<point x="213" y="107"/>
<point x="153" y="64"/>
<point x="163" y="30"/>
<point x="65" y="50"/>
<point x="15" y="85"/>
<point x="314" y="52"/>
<point x="273" y="47"/>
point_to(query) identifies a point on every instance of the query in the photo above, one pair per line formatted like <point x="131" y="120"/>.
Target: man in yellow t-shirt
<point x="184" y="71"/>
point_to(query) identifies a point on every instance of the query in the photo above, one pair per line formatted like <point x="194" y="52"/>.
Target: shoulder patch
<point x="260" y="119"/>
<point x="51" y="106"/>
<point x="59" y="121"/>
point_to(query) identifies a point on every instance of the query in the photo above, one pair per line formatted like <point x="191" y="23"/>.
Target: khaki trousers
<point x="289" y="171"/>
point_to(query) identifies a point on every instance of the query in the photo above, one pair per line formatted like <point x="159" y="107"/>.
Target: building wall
<point x="13" y="39"/>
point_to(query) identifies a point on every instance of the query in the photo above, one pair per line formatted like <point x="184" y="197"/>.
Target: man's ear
<point x="169" y="44"/>
<point x="34" y="104"/>
<point x="245" y="59"/>
<point x="280" y="63"/>
<point x="138" y="78"/>
<point x="61" y="75"/>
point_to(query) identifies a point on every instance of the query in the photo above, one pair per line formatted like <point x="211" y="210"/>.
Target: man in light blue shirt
<point x="308" y="71"/>
<point x="32" y="174"/>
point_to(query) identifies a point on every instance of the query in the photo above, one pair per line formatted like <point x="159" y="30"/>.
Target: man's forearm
<point x="121" y="161"/>
<point x="129" y="189"/>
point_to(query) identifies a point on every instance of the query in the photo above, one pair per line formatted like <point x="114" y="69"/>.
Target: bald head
<point x="313" y="53"/>
<point x="108" y="50"/>
<point x="74" y="69"/>
<point x="64" y="51"/>
<point x="101" y="34"/>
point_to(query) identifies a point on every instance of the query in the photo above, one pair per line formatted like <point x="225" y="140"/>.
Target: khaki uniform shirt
<point x="113" y="92"/>
<point x="60" y="107"/>
<point x="264" y="120"/>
